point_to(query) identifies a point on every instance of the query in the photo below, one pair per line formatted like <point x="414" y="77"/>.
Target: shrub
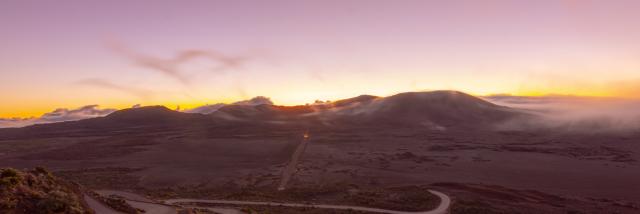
<point x="8" y="203"/>
<point x="9" y="178"/>
<point x="42" y="171"/>
<point x="38" y="191"/>
<point x="51" y="205"/>
<point x="8" y="172"/>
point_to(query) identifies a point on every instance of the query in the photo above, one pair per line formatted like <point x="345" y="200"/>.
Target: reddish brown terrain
<point x="361" y="151"/>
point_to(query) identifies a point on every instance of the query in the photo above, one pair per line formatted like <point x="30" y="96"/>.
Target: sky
<point x="116" y="54"/>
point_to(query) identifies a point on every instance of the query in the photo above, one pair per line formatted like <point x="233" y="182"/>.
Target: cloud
<point x="259" y="100"/>
<point x="138" y="92"/>
<point x="571" y="113"/>
<point x="208" y="109"/>
<point x="171" y="67"/>
<point x="15" y="122"/>
<point x="58" y="115"/>
<point x="63" y="114"/>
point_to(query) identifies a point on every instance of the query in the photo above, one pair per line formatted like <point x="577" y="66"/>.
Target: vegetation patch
<point x="38" y="191"/>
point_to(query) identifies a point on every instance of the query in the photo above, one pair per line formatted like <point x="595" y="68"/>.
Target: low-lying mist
<point x="566" y="113"/>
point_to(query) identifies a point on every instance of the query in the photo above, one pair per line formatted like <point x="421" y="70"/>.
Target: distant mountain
<point x="127" y="120"/>
<point x="269" y="112"/>
<point x="438" y="110"/>
<point x="148" y="115"/>
<point x="262" y="112"/>
<point x="435" y="109"/>
<point x="355" y="100"/>
<point x="206" y="109"/>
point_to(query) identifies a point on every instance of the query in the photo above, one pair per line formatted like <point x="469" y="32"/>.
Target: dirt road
<point x="442" y="208"/>
<point x="290" y="169"/>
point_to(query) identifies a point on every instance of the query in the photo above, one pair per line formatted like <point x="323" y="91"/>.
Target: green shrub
<point x="42" y="171"/>
<point x="58" y="202"/>
<point x="51" y="205"/>
<point x="9" y="178"/>
<point x="38" y="191"/>
<point x="8" y="172"/>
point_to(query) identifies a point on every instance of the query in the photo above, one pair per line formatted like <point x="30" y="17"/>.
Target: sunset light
<point x="153" y="55"/>
<point x="319" y="106"/>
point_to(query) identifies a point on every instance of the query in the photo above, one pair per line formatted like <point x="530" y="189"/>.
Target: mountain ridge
<point x="433" y="108"/>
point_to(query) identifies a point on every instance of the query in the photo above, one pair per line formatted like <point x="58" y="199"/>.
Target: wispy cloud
<point x="171" y="67"/>
<point x="106" y="84"/>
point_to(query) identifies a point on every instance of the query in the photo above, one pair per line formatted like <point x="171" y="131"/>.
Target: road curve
<point x="98" y="207"/>
<point x="442" y="208"/>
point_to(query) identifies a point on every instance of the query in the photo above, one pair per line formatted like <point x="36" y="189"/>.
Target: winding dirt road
<point x="167" y="205"/>
<point x="98" y="207"/>
<point x="442" y="208"/>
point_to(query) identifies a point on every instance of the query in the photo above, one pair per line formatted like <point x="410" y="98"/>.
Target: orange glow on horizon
<point x="36" y="110"/>
<point x="90" y="58"/>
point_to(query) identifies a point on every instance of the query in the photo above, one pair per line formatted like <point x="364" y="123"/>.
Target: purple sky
<point x="74" y="53"/>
